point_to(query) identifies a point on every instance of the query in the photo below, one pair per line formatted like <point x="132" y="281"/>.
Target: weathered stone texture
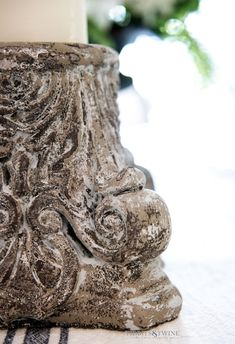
<point x="80" y="237"/>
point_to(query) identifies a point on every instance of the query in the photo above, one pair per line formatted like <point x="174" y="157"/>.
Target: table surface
<point x="208" y="313"/>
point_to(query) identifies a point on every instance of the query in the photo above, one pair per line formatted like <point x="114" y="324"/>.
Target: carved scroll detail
<point x="77" y="227"/>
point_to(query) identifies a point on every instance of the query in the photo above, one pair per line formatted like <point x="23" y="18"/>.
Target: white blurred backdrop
<point x="183" y="131"/>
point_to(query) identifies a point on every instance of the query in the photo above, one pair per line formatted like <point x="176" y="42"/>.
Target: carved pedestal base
<point x="80" y="237"/>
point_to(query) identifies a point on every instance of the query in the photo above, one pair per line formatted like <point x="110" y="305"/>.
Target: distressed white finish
<point x="80" y="234"/>
<point x="207" y="316"/>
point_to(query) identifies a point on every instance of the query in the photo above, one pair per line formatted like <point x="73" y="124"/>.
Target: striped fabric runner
<point x="35" y="336"/>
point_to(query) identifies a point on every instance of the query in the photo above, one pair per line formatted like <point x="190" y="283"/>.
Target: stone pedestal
<point x="80" y="237"/>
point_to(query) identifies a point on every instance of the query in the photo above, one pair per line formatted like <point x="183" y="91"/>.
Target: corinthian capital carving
<point x="80" y="237"/>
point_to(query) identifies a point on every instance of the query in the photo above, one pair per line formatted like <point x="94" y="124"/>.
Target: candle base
<point x="80" y="237"/>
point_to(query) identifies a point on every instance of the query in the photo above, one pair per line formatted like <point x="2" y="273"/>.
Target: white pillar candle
<point x="43" y="21"/>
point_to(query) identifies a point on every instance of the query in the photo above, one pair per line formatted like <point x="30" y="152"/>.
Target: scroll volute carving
<point x="74" y="214"/>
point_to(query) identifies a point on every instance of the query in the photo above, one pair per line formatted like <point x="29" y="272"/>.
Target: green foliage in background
<point x="165" y="22"/>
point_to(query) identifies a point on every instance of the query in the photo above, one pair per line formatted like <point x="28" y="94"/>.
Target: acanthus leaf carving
<point x="78" y="229"/>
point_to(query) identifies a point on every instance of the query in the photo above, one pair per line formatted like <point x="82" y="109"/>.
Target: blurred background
<point x="177" y="110"/>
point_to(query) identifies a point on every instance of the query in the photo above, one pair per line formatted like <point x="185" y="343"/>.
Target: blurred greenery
<point x="200" y="57"/>
<point x="164" y="25"/>
<point x="98" y="35"/>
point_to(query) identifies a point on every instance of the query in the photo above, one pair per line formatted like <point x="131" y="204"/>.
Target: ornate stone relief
<point x="80" y="236"/>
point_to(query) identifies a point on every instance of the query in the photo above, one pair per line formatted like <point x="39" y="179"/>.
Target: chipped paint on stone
<point x="80" y="236"/>
<point x="81" y="280"/>
<point x="144" y="300"/>
<point x="175" y="301"/>
<point x="129" y="324"/>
